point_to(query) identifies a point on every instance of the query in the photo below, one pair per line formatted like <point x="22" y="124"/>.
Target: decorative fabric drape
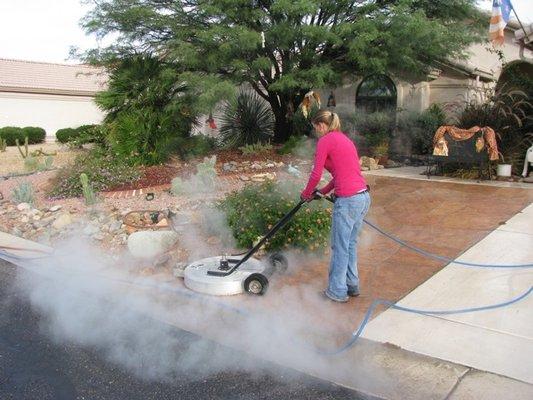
<point x="458" y="134"/>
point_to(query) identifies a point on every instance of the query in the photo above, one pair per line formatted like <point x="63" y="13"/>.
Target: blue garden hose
<point x="441" y="258"/>
<point x="357" y="333"/>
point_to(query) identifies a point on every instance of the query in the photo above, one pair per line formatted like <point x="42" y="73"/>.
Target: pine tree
<point x="284" y="48"/>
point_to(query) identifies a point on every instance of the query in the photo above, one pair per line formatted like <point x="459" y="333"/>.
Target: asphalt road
<point x="32" y="366"/>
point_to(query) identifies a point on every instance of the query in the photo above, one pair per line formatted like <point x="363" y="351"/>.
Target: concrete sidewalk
<point x="498" y="341"/>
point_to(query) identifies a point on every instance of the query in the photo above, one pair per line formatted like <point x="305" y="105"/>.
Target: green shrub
<point x="256" y="148"/>
<point x="35" y="134"/>
<point x="10" y="134"/>
<point x="248" y="119"/>
<point x="420" y="128"/>
<point x="149" y="107"/>
<point x="66" y="135"/>
<point x="23" y="193"/>
<point x="190" y="147"/>
<point x="252" y="211"/>
<point x="375" y="127"/>
<point x="104" y="171"/>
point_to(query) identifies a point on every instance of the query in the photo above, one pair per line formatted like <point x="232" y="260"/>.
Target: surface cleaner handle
<point x="268" y="235"/>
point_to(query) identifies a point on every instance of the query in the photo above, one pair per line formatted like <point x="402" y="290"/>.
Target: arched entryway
<point x="376" y="93"/>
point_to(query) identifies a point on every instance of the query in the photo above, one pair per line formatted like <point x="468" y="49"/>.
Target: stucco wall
<point x="50" y="112"/>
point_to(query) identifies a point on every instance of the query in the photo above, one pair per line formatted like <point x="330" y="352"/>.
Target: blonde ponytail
<point x="331" y="119"/>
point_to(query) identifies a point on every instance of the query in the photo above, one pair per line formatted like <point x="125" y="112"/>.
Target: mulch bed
<point x="154" y="175"/>
<point x="157" y="175"/>
<point x="227" y="155"/>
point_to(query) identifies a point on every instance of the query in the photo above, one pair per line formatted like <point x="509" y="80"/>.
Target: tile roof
<point x="40" y="77"/>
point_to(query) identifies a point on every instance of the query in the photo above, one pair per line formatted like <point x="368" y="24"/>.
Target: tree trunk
<point x="283" y="126"/>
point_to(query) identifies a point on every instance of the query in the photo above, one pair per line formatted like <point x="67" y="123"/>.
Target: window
<point x="376" y="93"/>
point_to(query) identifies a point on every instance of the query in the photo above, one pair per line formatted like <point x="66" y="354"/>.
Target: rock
<point x="263" y="177"/>
<point x="98" y="237"/>
<point x="62" y="221"/>
<point x="228" y="167"/>
<point x="24" y="219"/>
<point x="16" y="232"/>
<point x="36" y="217"/>
<point x="244" y="178"/>
<point x="365" y="169"/>
<point x="46" y="221"/>
<point x="368" y="162"/>
<point x="23" y="206"/>
<point x="115" y="226"/>
<point x="90" y="229"/>
<point x="179" y="269"/>
<point x="149" y="244"/>
<point x="163" y="222"/>
<point x="147" y="271"/>
<point x="393" y="164"/>
<point x="55" y="208"/>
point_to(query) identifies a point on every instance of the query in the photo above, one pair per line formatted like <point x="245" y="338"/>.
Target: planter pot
<point x="504" y="170"/>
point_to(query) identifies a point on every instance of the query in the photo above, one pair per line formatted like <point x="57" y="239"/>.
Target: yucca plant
<point x="23" y="193"/>
<point x="247" y="119"/>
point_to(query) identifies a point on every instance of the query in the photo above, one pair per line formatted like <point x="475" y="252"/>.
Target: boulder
<point x="368" y="162"/>
<point x="149" y="244"/>
<point x="23" y="207"/>
<point x="62" y="221"/>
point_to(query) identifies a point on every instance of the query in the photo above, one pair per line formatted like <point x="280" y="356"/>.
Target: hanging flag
<point x="501" y="11"/>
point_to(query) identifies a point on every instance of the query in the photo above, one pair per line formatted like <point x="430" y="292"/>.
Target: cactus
<point x="23" y="193"/>
<point x="48" y="161"/>
<point x="3" y="145"/>
<point x="25" y="153"/>
<point x="31" y="164"/>
<point x="40" y="152"/>
<point x="88" y="193"/>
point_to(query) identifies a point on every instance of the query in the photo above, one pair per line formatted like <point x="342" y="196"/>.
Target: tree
<point x="284" y="48"/>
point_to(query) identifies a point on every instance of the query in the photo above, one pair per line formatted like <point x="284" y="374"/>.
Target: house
<point x="50" y="96"/>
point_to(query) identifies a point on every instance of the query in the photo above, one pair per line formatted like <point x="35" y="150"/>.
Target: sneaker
<point x="353" y="292"/>
<point x="334" y="298"/>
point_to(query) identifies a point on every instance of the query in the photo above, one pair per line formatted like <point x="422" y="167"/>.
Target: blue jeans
<point x="348" y="214"/>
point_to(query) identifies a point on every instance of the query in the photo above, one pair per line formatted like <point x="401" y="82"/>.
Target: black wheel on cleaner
<point x="256" y="284"/>
<point x="278" y="262"/>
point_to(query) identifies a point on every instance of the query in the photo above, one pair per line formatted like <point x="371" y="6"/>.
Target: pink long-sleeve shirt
<point x="337" y="153"/>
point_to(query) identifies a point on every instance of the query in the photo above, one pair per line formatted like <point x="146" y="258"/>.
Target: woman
<point x="337" y="153"/>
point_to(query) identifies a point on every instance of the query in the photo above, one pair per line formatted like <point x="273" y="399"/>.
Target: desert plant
<point x="66" y="135"/>
<point x="256" y="148"/>
<point x="252" y="211"/>
<point x="247" y="119"/>
<point x="31" y="164"/>
<point x="24" y="153"/>
<point x="3" y="145"/>
<point x="103" y="169"/>
<point x="34" y="134"/>
<point x="10" y="134"/>
<point x="87" y="190"/>
<point x="203" y="181"/>
<point x="23" y="193"/>
<point x="206" y="172"/>
<point x="419" y="128"/>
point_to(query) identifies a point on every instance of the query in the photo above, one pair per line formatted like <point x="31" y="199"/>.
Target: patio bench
<point x="461" y="152"/>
